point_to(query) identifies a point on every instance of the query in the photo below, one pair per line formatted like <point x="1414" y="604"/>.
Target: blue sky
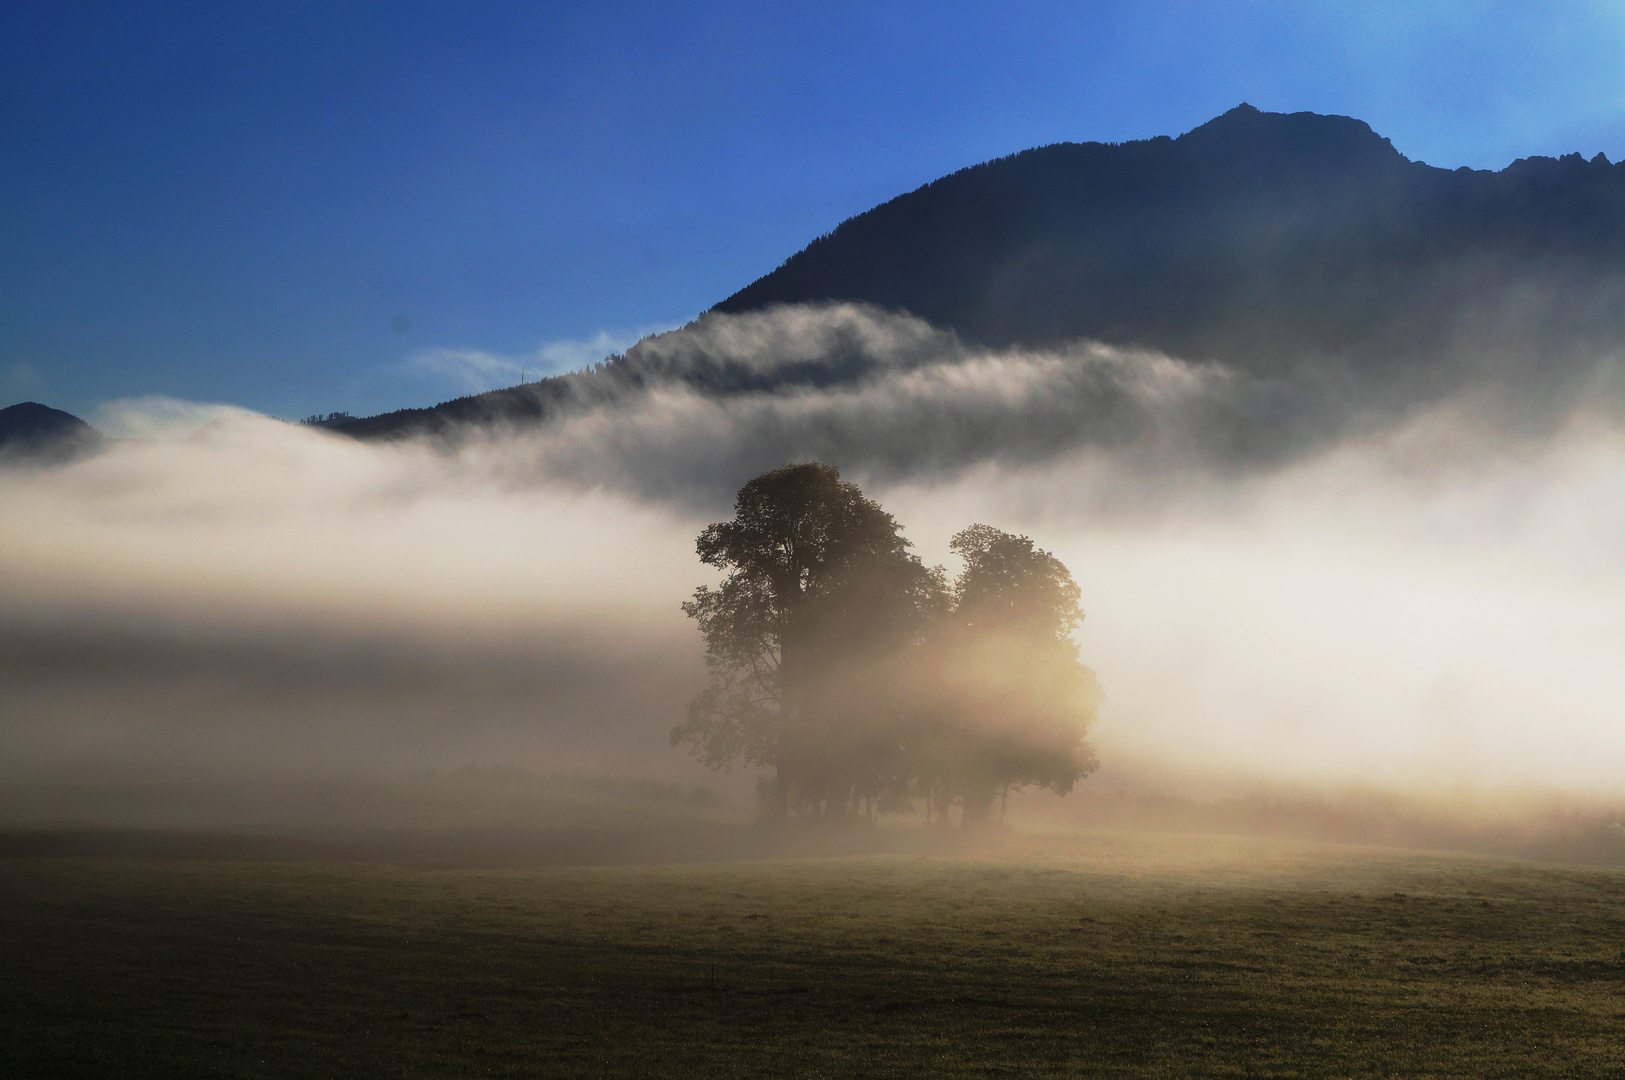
<point x="298" y="207"/>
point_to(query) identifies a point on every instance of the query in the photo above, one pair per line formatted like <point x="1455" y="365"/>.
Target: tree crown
<point x="794" y="527"/>
<point x="1007" y="582"/>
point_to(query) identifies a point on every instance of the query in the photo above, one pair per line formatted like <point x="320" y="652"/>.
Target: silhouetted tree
<point x="820" y="589"/>
<point x="861" y="679"/>
<point x="1012" y="701"/>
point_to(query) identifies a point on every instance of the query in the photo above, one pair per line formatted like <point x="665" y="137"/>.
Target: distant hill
<point x="33" y="432"/>
<point x="1263" y="240"/>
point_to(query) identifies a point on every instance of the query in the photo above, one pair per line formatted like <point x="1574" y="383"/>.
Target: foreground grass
<point x="1116" y="955"/>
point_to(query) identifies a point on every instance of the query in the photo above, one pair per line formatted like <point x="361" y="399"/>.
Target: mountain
<point x="1253" y="238"/>
<point x="33" y="432"/>
<point x="1261" y="240"/>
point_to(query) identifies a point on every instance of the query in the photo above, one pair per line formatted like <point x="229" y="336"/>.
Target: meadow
<point x="1106" y="953"/>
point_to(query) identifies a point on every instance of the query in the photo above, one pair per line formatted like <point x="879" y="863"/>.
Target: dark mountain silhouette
<point x="1255" y="238"/>
<point x="38" y="433"/>
<point x="1262" y="240"/>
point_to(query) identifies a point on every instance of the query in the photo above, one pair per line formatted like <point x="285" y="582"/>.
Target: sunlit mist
<point x="1419" y="592"/>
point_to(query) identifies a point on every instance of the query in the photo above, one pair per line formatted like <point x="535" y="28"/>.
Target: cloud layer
<point x="1410" y="578"/>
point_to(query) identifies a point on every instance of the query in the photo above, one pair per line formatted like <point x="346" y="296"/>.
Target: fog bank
<point x="1412" y="581"/>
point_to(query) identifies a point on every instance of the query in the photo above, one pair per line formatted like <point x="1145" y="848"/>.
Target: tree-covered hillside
<point x="1262" y="240"/>
<point x="1253" y="239"/>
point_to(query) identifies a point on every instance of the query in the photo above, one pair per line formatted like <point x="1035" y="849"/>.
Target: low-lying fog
<point x="1409" y="581"/>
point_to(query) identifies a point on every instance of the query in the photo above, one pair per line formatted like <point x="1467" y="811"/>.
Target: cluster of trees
<point x="869" y="682"/>
<point x="332" y="419"/>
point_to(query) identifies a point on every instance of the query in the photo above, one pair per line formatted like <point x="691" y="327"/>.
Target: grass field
<point x="1113" y="954"/>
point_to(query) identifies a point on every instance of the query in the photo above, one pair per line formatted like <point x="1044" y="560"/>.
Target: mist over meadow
<point x="1337" y="576"/>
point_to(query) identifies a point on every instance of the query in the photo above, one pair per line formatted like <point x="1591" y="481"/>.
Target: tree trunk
<point x="977" y="801"/>
<point x="781" y="794"/>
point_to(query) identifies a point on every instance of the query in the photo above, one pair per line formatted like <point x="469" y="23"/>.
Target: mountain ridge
<point x="1259" y="240"/>
<point x="1173" y="243"/>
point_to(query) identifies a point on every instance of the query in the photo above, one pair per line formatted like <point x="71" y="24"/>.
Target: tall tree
<point x="819" y="584"/>
<point x="1012" y="701"/>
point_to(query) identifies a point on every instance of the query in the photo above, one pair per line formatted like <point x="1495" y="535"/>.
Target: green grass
<point x="1110" y="955"/>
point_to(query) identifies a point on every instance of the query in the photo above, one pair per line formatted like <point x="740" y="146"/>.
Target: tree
<point x="1012" y="701"/>
<point x="840" y="662"/>
<point x="819" y="584"/>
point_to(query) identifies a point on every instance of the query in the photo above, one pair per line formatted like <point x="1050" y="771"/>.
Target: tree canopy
<point x="866" y="681"/>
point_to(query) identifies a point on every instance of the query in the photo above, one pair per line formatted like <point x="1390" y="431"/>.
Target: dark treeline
<point x="867" y="681"/>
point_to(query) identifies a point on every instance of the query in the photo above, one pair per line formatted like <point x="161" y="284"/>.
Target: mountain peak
<point x="1302" y="137"/>
<point x="35" y="432"/>
<point x="1254" y="234"/>
<point x="1258" y="239"/>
